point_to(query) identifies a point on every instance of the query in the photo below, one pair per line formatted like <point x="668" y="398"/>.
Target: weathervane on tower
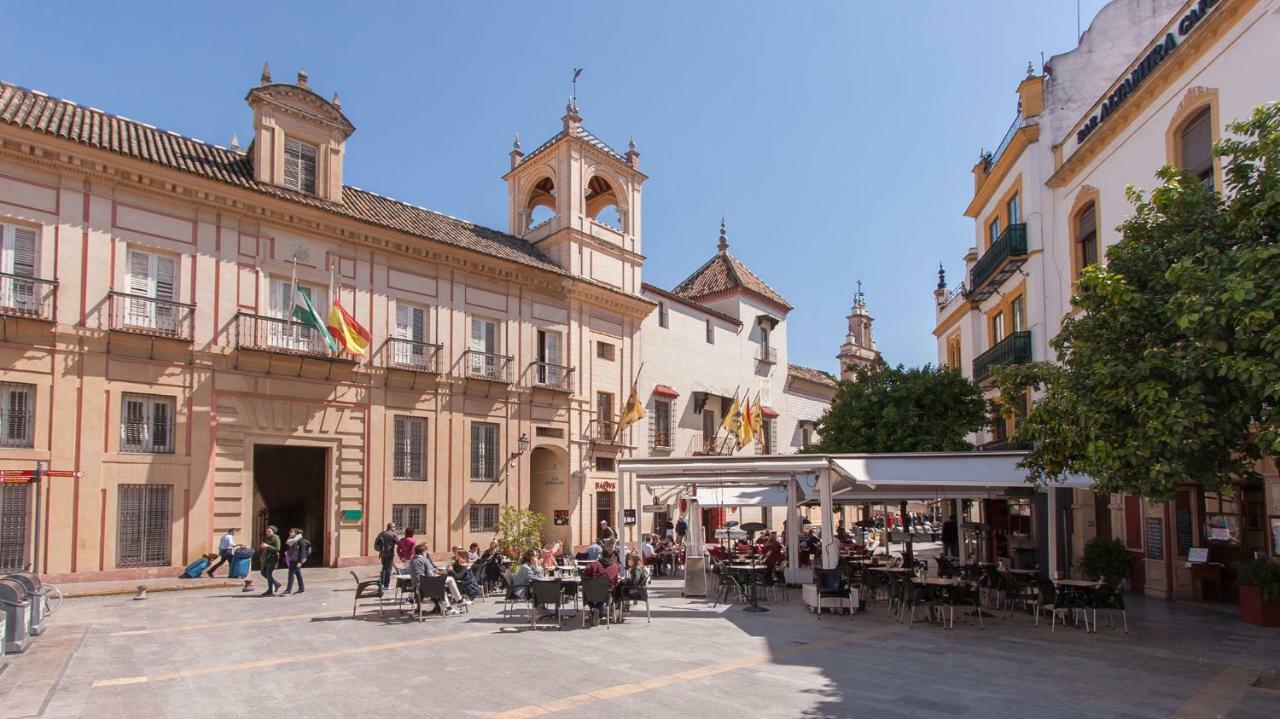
<point x="573" y="93"/>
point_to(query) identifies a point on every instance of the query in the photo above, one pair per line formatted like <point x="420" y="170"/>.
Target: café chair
<point x="511" y="598"/>
<point x="367" y="589"/>
<point x="547" y="594"/>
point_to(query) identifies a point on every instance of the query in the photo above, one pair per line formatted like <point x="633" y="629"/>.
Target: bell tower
<point x="578" y="201"/>
<point x="859" y="349"/>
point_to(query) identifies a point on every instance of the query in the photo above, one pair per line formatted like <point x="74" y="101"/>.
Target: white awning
<point x="934" y="476"/>
<point x="774" y="496"/>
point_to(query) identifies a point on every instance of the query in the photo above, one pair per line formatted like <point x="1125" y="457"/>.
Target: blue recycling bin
<point x="240" y="563"/>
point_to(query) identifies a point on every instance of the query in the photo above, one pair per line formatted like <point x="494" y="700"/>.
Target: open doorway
<point x="288" y="491"/>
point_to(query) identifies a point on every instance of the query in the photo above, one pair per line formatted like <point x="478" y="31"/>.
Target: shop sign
<point x="606" y="486"/>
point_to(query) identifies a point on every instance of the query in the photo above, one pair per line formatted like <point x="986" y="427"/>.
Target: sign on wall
<point x="1155" y="538"/>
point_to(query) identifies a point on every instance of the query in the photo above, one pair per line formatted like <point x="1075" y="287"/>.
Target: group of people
<point x="624" y="571"/>
<point x="293" y="553"/>
<point x="406" y="554"/>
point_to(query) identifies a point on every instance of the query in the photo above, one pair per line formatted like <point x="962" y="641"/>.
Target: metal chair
<point x="547" y="593"/>
<point x="430" y="589"/>
<point x="367" y="589"/>
<point x="1055" y="600"/>
<point x="1109" y="598"/>
<point x="596" y="591"/>
<point x="831" y="585"/>
<point x="511" y="597"/>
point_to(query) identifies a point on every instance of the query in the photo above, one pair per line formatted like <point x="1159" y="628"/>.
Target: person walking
<point x="385" y="545"/>
<point x="297" y="549"/>
<point x="226" y="551"/>
<point x="606" y="532"/>
<point x="682" y="529"/>
<point x="269" y="556"/>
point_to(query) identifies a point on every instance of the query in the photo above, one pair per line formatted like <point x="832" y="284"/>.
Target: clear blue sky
<point x="836" y="137"/>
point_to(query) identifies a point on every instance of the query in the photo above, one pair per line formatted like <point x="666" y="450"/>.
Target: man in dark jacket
<point x="297" y="549"/>
<point x="385" y="545"/>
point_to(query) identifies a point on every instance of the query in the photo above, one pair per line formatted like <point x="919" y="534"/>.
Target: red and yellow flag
<point x="745" y="430"/>
<point x="344" y="328"/>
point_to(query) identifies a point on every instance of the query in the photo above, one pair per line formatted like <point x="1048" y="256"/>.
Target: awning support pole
<point x="1053" y="533"/>
<point x="963" y="549"/>
<point x="830" y="554"/>
<point x="793" y="524"/>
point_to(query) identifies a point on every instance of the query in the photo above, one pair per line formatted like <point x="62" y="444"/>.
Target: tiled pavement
<point x="221" y="653"/>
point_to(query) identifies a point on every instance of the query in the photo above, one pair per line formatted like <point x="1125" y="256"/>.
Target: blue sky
<point x="836" y="137"/>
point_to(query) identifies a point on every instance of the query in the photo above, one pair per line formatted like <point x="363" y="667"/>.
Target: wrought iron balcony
<point x="602" y="431"/>
<point x="715" y="446"/>
<point x="487" y="366"/>
<point x="412" y="355"/>
<point x="766" y="354"/>
<point x="1014" y="349"/>
<point x="272" y="334"/>
<point x="30" y="297"/>
<point x="1002" y="259"/>
<point x="144" y="315"/>
<point x="1005" y="445"/>
<point x="551" y="376"/>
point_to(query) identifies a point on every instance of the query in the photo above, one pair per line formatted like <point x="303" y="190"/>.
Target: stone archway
<point x="549" y="489"/>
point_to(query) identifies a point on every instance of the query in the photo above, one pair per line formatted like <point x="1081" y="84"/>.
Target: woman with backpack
<point x="297" y="550"/>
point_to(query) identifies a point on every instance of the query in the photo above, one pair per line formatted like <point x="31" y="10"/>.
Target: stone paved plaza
<point x="220" y="653"/>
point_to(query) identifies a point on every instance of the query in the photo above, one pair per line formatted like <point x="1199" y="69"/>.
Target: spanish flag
<point x="347" y="331"/>
<point x="634" y="411"/>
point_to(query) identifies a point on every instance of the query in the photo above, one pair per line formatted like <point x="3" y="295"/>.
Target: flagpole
<point x="634" y="382"/>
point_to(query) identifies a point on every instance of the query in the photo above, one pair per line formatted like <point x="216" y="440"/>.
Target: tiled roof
<point x="582" y="134"/>
<point x="64" y="119"/>
<point x="724" y="273"/>
<point x="809" y="374"/>
<point x="646" y="287"/>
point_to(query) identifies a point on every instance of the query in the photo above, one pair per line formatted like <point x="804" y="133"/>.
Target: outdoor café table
<point x="941" y="582"/>
<point x="750" y="569"/>
<point x="404" y="583"/>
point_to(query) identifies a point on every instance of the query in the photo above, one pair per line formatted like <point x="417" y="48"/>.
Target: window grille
<point x="410" y="448"/>
<point x="15" y="530"/>
<point x="410" y="516"/>
<point x="484" y="517"/>
<point x="144" y="515"/>
<point x="17" y="414"/>
<point x="660" y="424"/>
<point x="484" y="452"/>
<point x="146" y="423"/>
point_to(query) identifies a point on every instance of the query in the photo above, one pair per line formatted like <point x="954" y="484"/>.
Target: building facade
<point x="1152" y="82"/>
<point x="147" y="341"/>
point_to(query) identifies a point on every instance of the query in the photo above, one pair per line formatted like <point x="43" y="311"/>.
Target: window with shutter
<point x="661" y="424"/>
<point x="410" y="448"/>
<point x="410" y="516"/>
<point x="411" y="326"/>
<point x="484" y="346"/>
<point x="18" y="258"/>
<point x="153" y="281"/>
<point x="17" y="402"/>
<point x="484" y="452"/>
<point x="144" y="515"/>
<point x="299" y="166"/>
<point x="15" y="532"/>
<point x="146" y="423"/>
<point x="1197" y="147"/>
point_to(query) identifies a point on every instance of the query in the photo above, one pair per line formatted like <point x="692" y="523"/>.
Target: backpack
<point x="385" y="544"/>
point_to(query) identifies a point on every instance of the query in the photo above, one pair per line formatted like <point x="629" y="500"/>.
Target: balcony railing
<point x="150" y="316"/>
<point x="767" y="354"/>
<point x="1000" y="260"/>
<point x="272" y="334"/>
<point x="602" y="430"/>
<point x="412" y="355"/>
<point x="487" y="366"/>
<point x="22" y="296"/>
<point x="1012" y="350"/>
<point x="551" y="376"/>
<point x="1004" y="143"/>
<point x="1004" y="445"/>
<point x="701" y="446"/>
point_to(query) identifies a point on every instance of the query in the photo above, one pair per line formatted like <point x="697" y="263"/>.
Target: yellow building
<point x="146" y="340"/>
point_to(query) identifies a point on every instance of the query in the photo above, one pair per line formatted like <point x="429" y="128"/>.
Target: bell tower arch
<point x="578" y="201"/>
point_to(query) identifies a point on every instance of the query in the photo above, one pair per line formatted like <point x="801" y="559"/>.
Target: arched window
<point x="542" y="202"/>
<point x="602" y="203"/>
<point x="1195" y="146"/>
<point x="1085" y="236"/>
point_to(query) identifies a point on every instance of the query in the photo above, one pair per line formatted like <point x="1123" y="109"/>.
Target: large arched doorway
<point x="549" y="490"/>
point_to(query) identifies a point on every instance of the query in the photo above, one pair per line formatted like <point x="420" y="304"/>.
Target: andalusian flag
<point x="347" y="331"/>
<point x="745" y="430"/>
<point x="634" y="411"/>
<point x="757" y="422"/>
<point x="305" y="313"/>
<point x="731" y="420"/>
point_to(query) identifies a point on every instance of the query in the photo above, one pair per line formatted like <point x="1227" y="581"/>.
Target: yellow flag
<point x="731" y="421"/>
<point x="757" y="422"/>
<point x="634" y="410"/>
<point x="745" y="431"/>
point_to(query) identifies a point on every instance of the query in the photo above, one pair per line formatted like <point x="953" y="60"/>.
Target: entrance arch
<point x="549" y="489"/>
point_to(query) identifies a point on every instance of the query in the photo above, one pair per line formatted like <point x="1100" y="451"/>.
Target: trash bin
<point x="17" y="609"/>
<point x="36" y="594"/>
<point x="240" y="563"/>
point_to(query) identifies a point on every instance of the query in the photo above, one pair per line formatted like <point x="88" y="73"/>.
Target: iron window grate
<point x="144" y="517"/>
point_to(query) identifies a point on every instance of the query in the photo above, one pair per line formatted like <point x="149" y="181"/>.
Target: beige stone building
<point x="145" y="339"/>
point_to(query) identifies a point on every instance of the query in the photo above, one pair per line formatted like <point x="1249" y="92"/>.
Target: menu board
<point x="1184" y="531"/>
<point x="1155" y="538"/>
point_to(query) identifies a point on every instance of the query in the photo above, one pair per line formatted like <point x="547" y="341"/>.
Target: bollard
<point x="248" y="586"/>
<point x="142" y="593"/>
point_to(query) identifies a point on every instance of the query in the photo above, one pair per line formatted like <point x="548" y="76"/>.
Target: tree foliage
<point x="519" y="530"/>
<point x="1172" y="371"/>
<point x="893" y="409"/>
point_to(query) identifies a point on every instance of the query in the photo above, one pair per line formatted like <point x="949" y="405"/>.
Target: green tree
<point x="519" y="529"/>
<point x="893" y="409"/>
<point x="1172" y="372"/>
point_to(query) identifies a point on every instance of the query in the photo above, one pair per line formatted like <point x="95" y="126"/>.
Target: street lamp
<point x="522" y="444"/>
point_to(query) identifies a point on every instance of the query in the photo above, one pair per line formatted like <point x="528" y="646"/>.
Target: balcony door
<point x="549" y="371"/>
<point x="18" y="261"/>
<point x="290" y="334"/>
<point x="411" y="327"/>
<point x="152" y="281"/>
<point x="483" y="360"/>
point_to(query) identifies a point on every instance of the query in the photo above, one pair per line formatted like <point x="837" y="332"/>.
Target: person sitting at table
<point x="648" y="554"/>
<point x="422" y="566"/>
<point x="773" y="553"/>
<point x="473" y="552"/>
<point x="605" y="566"/>
<point x="632" y="580"/>
<point x="548" y="557"/>
<point x="525" y="574"/>
<point x="461" y="572"/>
<point x="593" y="551"/>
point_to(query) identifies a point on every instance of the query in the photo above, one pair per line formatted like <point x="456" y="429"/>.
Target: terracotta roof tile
<point x="809" y="374"/>
<point x="64" y="119"/>
<point x="725" y="273"/>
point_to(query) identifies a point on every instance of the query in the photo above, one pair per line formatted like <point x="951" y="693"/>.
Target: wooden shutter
<point x="17" y="415"/>
<point x="292" y="163"/>
<point x="133" y="432"/>
<point x="307" y="169"/>
<point x="161" y="426"/>
<point x="23" y="254"/>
